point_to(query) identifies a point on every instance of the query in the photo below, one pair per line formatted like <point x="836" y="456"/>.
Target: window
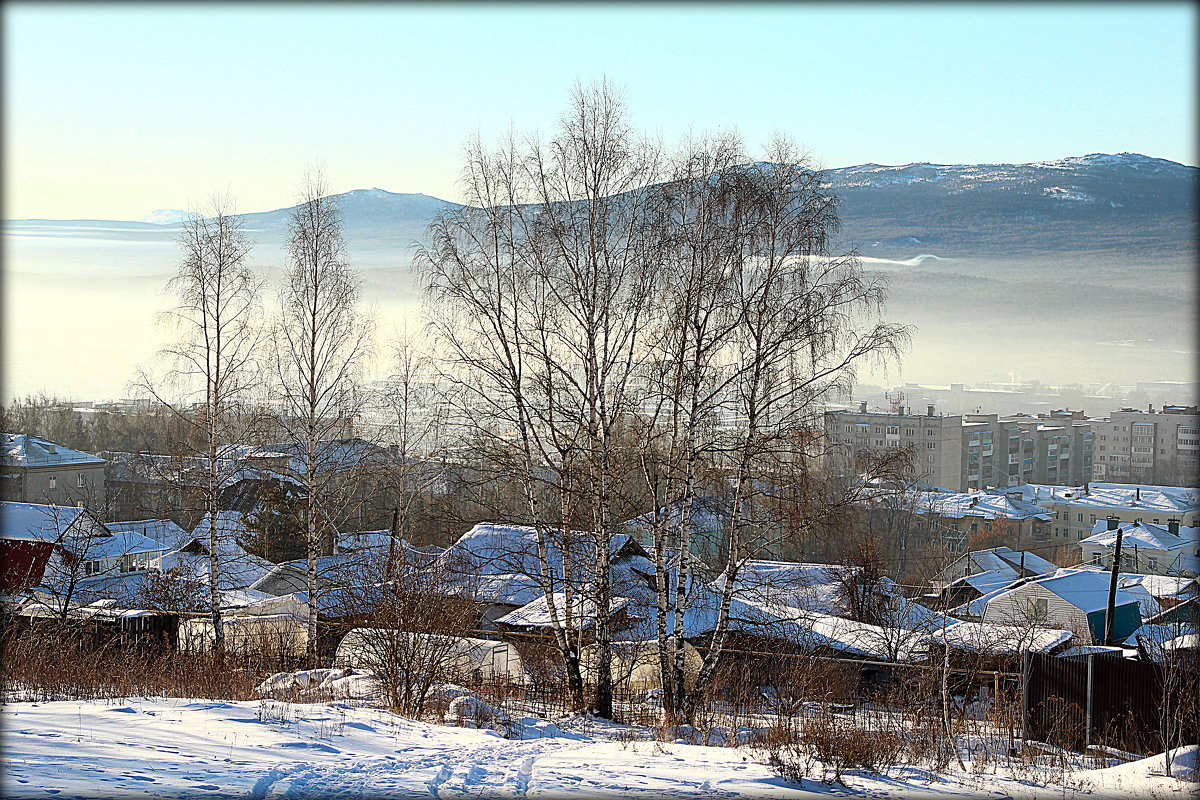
<point x="1080" y="518"/>
<point x="1153" y="563"/>
<point x="931" y="432"/>
<point x="1038" y="607"/>
<point x="80" y="482"/>
<point x="931" y="445"/>
<point x="53" y="482"/>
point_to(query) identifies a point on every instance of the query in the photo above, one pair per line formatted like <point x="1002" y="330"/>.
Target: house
<point x="30" y="533"/>
<point x="1074" y="600"/>
<point x="163" y="531"/>
<point x="956" y="518"/>
<point x="497" y="566"/>
<point x="1148" y="548"/>
<point x="35" y="470"/>
<point x="979" y="572"/>
<point x="237" y="569"/>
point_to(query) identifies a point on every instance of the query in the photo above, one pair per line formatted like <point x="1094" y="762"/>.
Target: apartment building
<point x="1076" y="509"/>
<point x="936" y="440"/>
<point x="975" y="451"/>
<point x="1152" y="447"/>
<point x="34" y="470"/>
<point x="1054" y="448"/>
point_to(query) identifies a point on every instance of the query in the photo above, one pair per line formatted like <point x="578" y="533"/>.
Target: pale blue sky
<point x="113" y="111"/>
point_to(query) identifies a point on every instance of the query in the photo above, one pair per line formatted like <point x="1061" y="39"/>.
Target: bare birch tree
<point x="214" y="361"/>
<point x="794" y="321"/>
<point x="321" y="341"/>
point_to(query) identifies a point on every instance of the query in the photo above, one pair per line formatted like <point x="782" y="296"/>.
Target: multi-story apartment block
<point x="935" y="440"/>
<point x="974" y="451"/>
<point x="34" y="470"/>
<point x="1150" y="447"/>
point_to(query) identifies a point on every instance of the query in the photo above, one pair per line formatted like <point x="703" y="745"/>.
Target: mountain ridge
<point x="1105" y="204"/>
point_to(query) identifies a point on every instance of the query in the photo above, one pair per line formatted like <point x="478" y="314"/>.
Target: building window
<point x="1080" y="518"/>
<point x="53" y="482"/>
<point x="81" y="483"/>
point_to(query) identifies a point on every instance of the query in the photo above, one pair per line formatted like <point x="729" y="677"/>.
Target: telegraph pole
<point x="1112" y="590"/>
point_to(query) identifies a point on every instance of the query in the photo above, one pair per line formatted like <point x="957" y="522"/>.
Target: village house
<point x="1073" y="600"/>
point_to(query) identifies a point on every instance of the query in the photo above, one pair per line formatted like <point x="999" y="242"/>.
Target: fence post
<point x="1087" y="729"/>
<point x="1025" y="663"/>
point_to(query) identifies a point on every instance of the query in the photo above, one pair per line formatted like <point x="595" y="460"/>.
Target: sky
<point x="113" y="111"/>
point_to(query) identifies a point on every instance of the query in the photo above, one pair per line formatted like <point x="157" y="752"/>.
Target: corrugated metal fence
<point x="1104" y="700"/>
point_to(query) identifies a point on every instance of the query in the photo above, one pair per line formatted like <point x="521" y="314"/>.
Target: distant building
<point x="1076" y="509"/>
<point x="974" y="451"/>
<point x="1160" y="447"/>
<point x="34" y="470"/>
<point x="936" y="440"/>
<point x="1146" y="548"/>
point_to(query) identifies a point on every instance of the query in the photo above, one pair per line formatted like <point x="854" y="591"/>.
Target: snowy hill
<point x="1100" y="203"/>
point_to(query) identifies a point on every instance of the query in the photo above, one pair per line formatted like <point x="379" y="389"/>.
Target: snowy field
<point x="167" y="747"/>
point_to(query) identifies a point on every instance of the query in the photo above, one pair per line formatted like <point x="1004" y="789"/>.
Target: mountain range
<point x="1080" y="269"/>
<point x="1122" y="203"/>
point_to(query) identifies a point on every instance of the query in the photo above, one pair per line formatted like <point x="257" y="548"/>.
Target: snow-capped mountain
<point x="1124" y="202"/>
<point x="1115" y="204"/>
<point x="165" y="216"/>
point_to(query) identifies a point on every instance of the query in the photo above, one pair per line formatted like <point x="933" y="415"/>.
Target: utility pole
<point x="1112" y="590"/>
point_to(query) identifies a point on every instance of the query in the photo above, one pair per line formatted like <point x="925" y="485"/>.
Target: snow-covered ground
<point x="165" y="747"/>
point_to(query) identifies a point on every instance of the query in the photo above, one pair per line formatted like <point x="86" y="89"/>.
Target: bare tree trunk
<point x="321" y="342"/>
<point x="217" y="318"/>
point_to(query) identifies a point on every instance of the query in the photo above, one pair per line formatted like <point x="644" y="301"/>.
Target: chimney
<point x="1173" y="526"/>
<point x="862" y="407"/>
<point x="1113" y="523"/>
<point x="929" y="410"/>
<point x="1086" y="484"/>
<point x="1138" y="494"/>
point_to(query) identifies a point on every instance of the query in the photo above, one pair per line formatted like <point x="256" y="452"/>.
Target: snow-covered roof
<point x="21" y="450"/>
<point x="35" y="522"/>
<point x="1104" y="496"/>
<point x="990" y="581"/>
<point x="1085" y="589"/>
<point x="120" y="543"/>
<point x="1005" y="558"/>
<point x="163" y="531"/>
<point x="237" y="569"/>
<point x="993" y="639"/>
<point x="498" y="549"/>
<point x="1143" y="534"/>
<point x="814" y="587"/>
<point x="981" y="505"/>
<point x="537" y="613"/>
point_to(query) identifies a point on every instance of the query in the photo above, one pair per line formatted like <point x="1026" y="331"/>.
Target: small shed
<point x="467" y="659"/>
<point x="265" y="635"/>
